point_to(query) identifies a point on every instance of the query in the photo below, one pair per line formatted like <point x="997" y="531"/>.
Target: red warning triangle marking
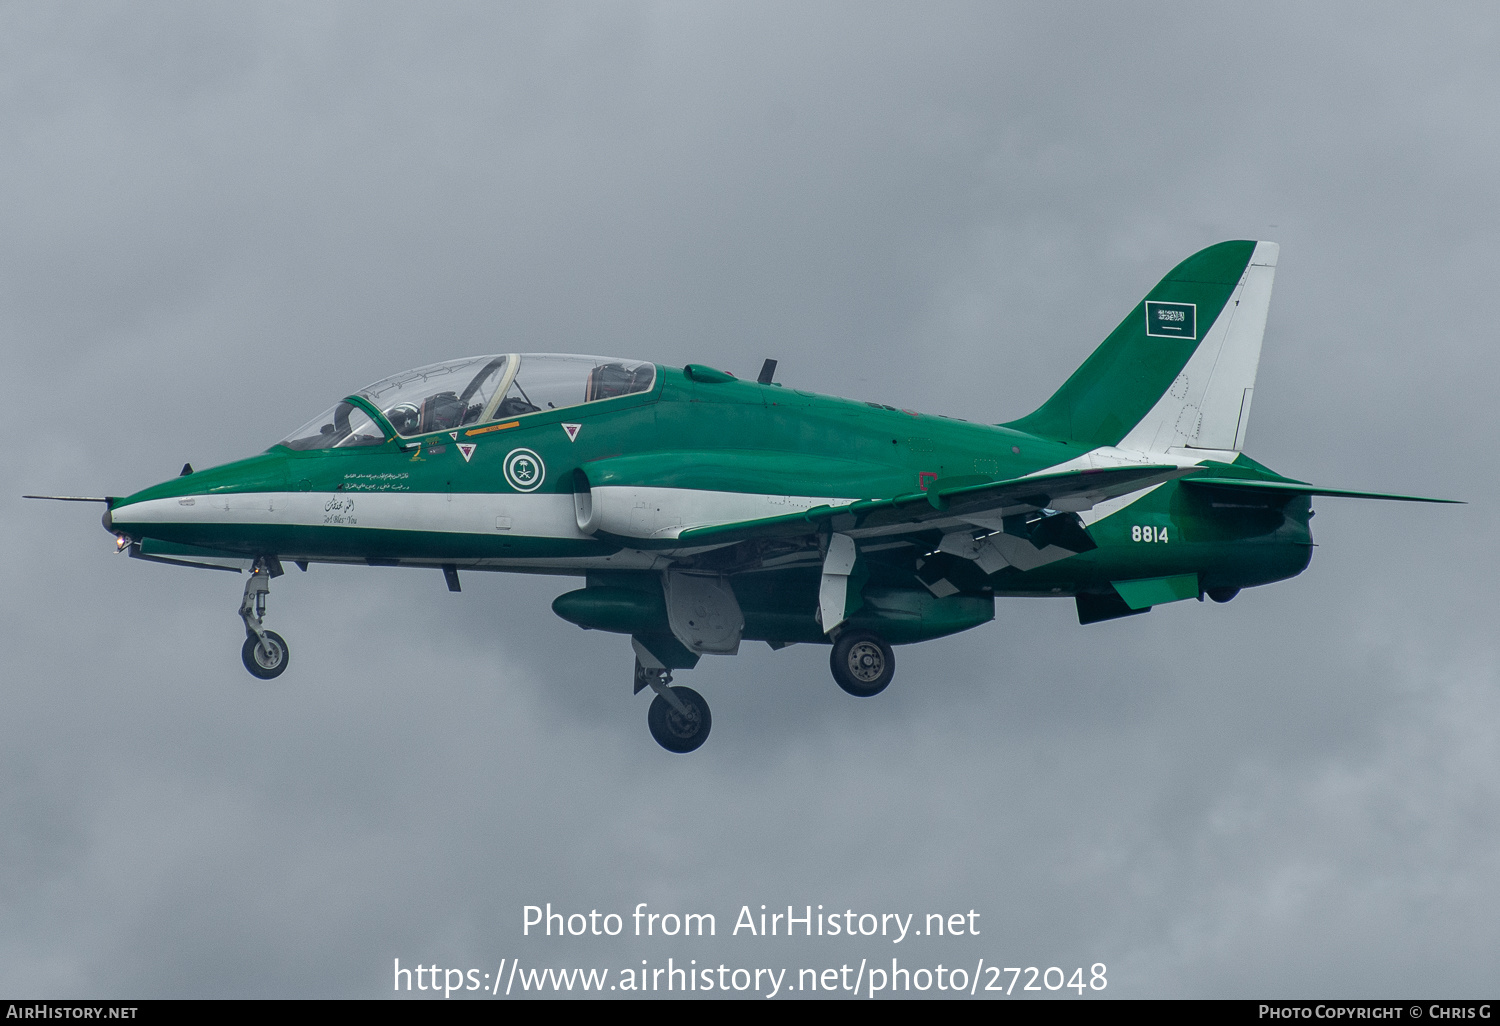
<point x="467" y="448"/>
<point x="572" y="430"/>
<point x="453" y="435"/>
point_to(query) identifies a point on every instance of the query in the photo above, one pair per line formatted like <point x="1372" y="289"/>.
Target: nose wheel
<point x="680" y="726"/>
<point x="678" y="717"/>
<point x="265" y="656"/>
<point x="264" y="653"/>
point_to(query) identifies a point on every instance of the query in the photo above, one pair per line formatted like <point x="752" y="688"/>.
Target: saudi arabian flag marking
<point x="1171" y="320"/>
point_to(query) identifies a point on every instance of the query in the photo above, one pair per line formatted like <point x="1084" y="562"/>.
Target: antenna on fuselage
<point x="767" y="372"/>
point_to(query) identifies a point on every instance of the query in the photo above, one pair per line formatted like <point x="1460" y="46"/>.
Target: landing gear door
<point x="703" y="612"/>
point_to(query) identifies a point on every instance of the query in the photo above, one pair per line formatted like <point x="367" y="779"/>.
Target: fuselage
<point x="610" y="484"/>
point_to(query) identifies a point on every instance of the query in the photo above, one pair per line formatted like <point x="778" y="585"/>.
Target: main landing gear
<point x="265" y="652"/>
<point x="862" y="663"/>
<point x="679" y="718"/>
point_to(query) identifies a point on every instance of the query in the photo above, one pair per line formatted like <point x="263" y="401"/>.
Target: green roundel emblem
<point x="524" y="470"/>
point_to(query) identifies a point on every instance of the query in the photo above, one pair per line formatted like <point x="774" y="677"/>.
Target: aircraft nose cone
<point x="108" y="521"/>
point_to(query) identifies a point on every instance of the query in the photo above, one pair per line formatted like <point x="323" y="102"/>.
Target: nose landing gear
<point x="681" y="726"/>
<point x="679" y="718"/>
<point x="264" y="653"/>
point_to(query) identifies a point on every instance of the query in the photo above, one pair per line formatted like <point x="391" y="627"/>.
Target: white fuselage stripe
<point x="535" y="516"/>
<point x="644" y="512"/>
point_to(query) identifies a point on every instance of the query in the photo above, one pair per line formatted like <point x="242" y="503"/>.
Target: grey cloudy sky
<point x="219" y="217"/>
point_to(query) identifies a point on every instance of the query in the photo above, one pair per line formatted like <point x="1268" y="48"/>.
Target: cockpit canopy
<point x="477" y="390"/>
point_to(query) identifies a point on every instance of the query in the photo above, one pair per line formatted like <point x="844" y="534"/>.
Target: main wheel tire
<point x="675" y="731"/>
<point x="268" y="663"/>
<point x="862" y="663"/>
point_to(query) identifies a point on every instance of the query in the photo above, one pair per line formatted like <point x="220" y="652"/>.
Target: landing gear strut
<point x="862" y="663"/>
<point x="264" y="653"/>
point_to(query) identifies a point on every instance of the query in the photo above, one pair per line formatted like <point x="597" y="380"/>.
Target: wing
<point x="940" y="508"/>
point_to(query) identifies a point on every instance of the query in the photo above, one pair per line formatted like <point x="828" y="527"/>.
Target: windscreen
<point x="341" y="427"/>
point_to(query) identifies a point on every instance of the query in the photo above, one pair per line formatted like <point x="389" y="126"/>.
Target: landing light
<point x="121" y="541"/>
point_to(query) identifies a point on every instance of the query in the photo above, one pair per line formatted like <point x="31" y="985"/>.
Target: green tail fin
<point x="1180" y="368"/>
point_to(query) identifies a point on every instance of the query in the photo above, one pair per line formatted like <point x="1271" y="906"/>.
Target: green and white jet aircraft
<point x="701" y="510"/>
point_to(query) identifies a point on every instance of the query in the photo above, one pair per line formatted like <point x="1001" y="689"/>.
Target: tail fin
<point x="1180" y="369"/>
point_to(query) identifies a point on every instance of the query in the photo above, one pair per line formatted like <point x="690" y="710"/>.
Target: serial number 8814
<point x="1148" y="533"/>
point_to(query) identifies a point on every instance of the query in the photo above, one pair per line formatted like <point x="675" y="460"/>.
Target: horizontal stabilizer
<point x="1302" y="488"/>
